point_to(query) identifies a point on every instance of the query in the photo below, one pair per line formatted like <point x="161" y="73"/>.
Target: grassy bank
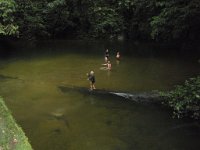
<point x="11" y="135"/>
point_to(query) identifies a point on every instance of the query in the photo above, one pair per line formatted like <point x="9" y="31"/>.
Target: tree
<point x="160" y="20"/>
<point x="105" y="22"/>
<point x="7" y="25"/>
<point x="136" y="16"/>
<point x="176" y="21"/>
<point x="57" y="18"/>
<point x="29" y="18"/>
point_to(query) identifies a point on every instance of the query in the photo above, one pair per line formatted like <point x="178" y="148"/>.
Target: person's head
<point x="108" y="62"/>
<point x="91" y="72"/>
<point x="106" y="50"/>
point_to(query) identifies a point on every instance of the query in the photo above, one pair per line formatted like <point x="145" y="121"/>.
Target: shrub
<point x="185" y="99"/>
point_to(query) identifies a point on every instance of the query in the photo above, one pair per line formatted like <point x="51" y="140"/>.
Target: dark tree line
<point x="159" y="20"/>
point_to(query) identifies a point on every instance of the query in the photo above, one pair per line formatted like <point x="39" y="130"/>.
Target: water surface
<point x="53" y="120"/>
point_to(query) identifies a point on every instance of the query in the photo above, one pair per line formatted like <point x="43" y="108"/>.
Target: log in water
<point x="139" y="97"/>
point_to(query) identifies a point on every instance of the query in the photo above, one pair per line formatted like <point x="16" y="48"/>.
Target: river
<point x="30" y="77"/>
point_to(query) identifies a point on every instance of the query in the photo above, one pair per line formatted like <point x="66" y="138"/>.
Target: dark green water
<point x="53" y="120"/>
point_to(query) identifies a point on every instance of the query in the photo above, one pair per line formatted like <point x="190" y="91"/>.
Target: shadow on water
<point x="126" y="48"/>
<point x="4" y="77"/>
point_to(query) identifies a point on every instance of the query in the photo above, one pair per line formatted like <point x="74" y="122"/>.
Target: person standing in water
<point x="107" y="65"/>
<point x="118" y="56"/>
<point x="91" y="78"/>
<point x="107" y="55"/>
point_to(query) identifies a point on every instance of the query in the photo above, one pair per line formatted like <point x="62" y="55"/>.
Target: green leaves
<point x="9" y="29"/>
<point x="55" y="4"/>
<point x="30" y="16"/>
<point x="185" y="99"/>
<point x="105" y="22"/>
<point x="7" y="26"/>
<point x="174" y="21"/>
<point x="161" y="20"/>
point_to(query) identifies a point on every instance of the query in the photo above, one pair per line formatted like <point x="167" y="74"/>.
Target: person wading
<point x="107" y="55"/>
<point x="91" y="78"/>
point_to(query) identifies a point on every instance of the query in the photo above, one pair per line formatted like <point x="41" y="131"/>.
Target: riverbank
<point x="11" y="135"/>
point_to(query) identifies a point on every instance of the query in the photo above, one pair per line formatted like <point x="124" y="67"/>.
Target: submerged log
<point x="139" y="97"/>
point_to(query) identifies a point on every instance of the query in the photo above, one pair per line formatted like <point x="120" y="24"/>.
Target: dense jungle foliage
<point x="141" y="20"/>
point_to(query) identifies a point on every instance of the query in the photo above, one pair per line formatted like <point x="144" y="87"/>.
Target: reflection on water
<point x="76" y="121"/>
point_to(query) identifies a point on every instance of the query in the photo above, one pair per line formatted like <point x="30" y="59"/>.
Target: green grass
<point x="12" y="136"/>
